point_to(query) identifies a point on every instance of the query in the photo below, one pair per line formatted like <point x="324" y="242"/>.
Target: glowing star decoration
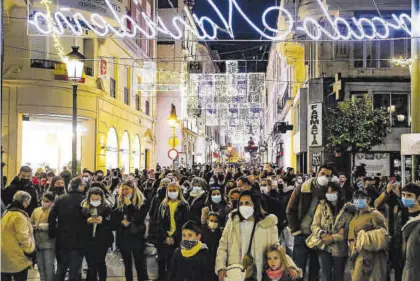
<point x="120" y="26"/>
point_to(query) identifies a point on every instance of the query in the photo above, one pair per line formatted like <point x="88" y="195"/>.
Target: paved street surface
<point x="113" y="261"/>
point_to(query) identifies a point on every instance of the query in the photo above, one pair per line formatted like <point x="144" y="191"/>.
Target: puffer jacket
<point x="325" y="222"/>
<point x="39" y="218"/>
<point x="230" y="252"/>
<point x="16" y="241"/>
<point x="411" y="233"/>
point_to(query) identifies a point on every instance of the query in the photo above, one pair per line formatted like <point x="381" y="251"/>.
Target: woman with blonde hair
<point x="128" y="220"/>
<point x="173" y="214"/>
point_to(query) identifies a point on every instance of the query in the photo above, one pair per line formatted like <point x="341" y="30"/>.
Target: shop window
<point x="112" y="149"/>
<point x="112" y="86"/>
<point x="136" y="153"/>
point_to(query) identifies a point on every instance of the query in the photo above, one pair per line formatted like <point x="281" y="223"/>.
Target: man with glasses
<point x="300" y="212"/>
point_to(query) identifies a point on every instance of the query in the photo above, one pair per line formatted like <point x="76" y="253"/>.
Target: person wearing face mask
<point x="300" y="212"/>
<point x="45" y="245"/>
<point x="197" y="198"/>
<point x="57" y="186"/>
<point x="66" y="175"/>
<point x="411" y="233"/>
<point x="128" y="219"/>
<point x="17" y="242"/>
<point x="22" y="182"/>
<point x="173" y="213"/>
<point x="407" y="207"/>
<point x="68" y="226"/>
<point x="368" y="241"/>
<point x="328" y="234"/>
<point x="248" y="234"/>
<point x="190" y="262"/>
<point x="215" y="203"/>
<point x="211" y="237"/>
<point x="99" y="235"/>
<point x="233" y="199"/>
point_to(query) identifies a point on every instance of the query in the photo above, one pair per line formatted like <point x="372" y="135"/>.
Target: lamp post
<point x="74" y="65"/>
<point x="415" y="79"/>
<point x="173" y="121"/>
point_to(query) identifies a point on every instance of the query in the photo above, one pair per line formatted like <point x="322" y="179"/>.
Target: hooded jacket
<point x="16" y="241"/>
<point x="194" y="268"/>
<point x="411" y="233"/>
<point x="39" y="218"/>
<point x="230" y="252"/>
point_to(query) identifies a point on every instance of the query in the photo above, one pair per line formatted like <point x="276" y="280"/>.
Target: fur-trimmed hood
<point x="410" y="225"/>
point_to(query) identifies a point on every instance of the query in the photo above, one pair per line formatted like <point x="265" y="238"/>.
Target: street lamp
<point x="173" y="121"/>
<point x="74" y="65"/>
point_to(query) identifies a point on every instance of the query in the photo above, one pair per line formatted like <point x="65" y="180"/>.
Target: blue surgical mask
<point x="408" y="202"/>
<point x="332" y="197"/>
<point x="360" y="203"/>
<point x="216" y="198"/>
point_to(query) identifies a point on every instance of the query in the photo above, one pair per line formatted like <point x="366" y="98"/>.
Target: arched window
<point x="112" y="149"/>
<point x="125" y="153"/>
<point x="136" y="153"/>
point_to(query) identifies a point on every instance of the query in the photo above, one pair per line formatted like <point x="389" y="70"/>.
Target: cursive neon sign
<point x="350" y="29"/>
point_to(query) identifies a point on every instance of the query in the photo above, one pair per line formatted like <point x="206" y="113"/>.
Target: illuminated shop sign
<point x="74" y="22"/>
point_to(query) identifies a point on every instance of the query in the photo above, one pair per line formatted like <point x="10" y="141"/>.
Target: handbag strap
<point x="252" y="237"/>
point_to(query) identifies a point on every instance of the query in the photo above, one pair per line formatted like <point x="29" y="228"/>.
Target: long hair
<point x="259" y="213"/>
<point x="137" y="199"/>
<point x="209" y="202"/>
<point x="180" y="194"/>
<point x="282" y="253"/>
<point x="51" y="188"/>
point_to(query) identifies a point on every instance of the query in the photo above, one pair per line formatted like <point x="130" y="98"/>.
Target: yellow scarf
<point x="191" y="252"/>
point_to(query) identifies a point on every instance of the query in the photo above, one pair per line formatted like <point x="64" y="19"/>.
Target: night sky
<point x="241" y="50"/>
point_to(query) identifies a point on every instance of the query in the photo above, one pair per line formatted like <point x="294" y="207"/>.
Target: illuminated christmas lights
<point x="355" y="28"/>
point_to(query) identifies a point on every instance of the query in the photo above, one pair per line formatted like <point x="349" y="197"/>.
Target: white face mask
<point x="299" y="181"/>
<point x="196" y="191"/>
<point x="95" y="203"/>
<point x="246" y="211"/>
<point x="322" y="181"/>
<point x="335" y="179"/>
<point x="173" y="195"/>
<point x="264" y="188"/>
<point x="332" y="197"/>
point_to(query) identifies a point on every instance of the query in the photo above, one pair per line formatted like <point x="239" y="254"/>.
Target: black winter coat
<point x="154" y="228"/>
<point x="182" y="215"/>
<point x="196" y="206"/>
<point x="134" y="233"/>
<point x="273" y="204"/>
<point x="195" y="268"/>
<point x="211" y="239"/>
<point x="103" y="233"/>
<point x="15" y="186"/>
<point x="67" y="223"/>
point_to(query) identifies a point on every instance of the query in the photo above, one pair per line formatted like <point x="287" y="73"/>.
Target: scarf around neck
<point x="193" y="251"/>
<point x="274" y="274"/>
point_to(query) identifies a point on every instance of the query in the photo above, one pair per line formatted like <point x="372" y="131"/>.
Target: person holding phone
<point x="99" y="235"/>
<point x="128" y="219"/>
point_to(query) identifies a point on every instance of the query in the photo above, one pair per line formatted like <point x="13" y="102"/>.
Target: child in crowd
<point x="190" y="262"/>
<point x="280" y="267"/>
<point x="211" y="237"/>
<point x="45" y="245"/>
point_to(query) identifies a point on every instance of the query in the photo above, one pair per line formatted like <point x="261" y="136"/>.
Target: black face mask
<point x="100" y="178"/>
<point x="59" y="189"/>
<point x="25" y="181"/>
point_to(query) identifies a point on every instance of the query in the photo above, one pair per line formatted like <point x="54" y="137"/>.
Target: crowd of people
<point x="212" y="223"/>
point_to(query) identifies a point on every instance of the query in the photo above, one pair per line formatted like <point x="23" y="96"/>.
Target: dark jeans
<point x="331" y="266"/>
<point x="301" y="254"/>
<point x="165" y="253"/>
<point x="69" y="259"/>
<point x="18" y="276"/>
<point x="137" y="249"/>
<point x="95" y="259"/>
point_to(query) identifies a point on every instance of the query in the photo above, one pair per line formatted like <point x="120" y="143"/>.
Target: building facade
<point x="116" y="117"/>
<point x="317" y="74"/>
